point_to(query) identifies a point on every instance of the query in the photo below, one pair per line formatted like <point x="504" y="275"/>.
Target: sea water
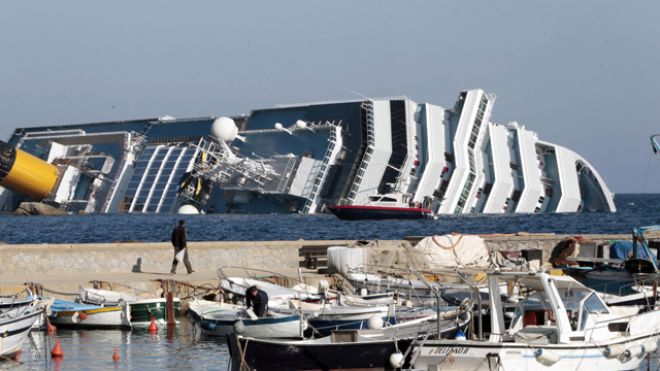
<point x="182" y="348"/>
<point x="633" y="210"/>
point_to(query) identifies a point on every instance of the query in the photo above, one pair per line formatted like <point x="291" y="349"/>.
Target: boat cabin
<point x="397" y="200"/>
<point x="557" y="310"/>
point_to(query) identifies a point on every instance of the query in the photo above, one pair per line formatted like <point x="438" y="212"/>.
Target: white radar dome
<point x="188" y="210"/>
<point x="224" y="129"/>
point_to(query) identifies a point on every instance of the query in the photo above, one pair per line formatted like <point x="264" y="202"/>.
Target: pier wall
<point x="45" y="259"/>
<point x="546" y="242"/>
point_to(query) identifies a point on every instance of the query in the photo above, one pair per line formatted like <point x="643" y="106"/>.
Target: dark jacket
<point x="179" y="237"/>
<point x="259" y="303"/>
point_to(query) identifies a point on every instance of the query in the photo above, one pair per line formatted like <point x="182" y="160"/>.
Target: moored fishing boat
<point x="70" y="314"/>
<point x="214" y="318"/>
<point x="329" y="318"/>
<point x="15" y="325"/>
<point x="346" y="349"/>
<point x="557" y="327"/>
<point x="141" y="309"/>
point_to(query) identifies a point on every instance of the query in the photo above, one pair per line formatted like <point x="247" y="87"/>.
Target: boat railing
<point x="638" y="280"/>
<point x="601" y="323"/>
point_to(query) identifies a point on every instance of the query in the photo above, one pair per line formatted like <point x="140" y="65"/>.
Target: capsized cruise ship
<point x="302" y="158"/>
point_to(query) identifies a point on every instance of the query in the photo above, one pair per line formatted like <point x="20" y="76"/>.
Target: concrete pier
<point x="65" y="267"/>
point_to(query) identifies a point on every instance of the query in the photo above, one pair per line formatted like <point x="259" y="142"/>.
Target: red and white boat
<point x="384" y="206"/>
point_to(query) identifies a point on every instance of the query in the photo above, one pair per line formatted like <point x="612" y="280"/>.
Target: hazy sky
<point x="583" y="74"/>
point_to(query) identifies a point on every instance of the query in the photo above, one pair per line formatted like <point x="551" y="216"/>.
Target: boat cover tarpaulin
<point x="453" y="250"/>
<point x="623" y="250"/>
<point x="434" y="252"/>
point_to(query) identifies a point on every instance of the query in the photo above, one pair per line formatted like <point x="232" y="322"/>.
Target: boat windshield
<point x="579" y="304"/>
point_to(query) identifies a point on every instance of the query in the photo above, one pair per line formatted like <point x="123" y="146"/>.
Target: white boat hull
<point x="271" y="327"/>
<point x="14" y="329"/>
<point x="105" y="317"/>
<point x="475" y="355"/>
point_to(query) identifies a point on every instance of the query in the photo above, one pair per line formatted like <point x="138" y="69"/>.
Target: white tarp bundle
<point x="448" y="251"/>
<point x="451" y="251"/>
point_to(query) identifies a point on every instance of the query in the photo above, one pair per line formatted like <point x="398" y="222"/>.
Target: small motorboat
<point x="142" y="308"/>
<point x="383" y="206"/>
<point x="345" y="349"/>
<point x="560" y="325"/>
<point x="332" y="318"/>
<point x="17" y="301"/>
<point x="214" y="318"/>
<point x="238" y="285"/>
<point x="16" y="322"/>
<point x="71" y="314"/>
<point x="221" y="319"/>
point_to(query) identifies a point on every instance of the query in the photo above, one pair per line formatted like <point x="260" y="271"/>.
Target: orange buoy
<point x="115" y="355"/>
<point x="153" y="328"/>
<point x="51" y="329"/>
<point x="83" y="316"/>
<point x="57" y="350"/>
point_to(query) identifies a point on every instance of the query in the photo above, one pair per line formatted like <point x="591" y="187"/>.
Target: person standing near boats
<point x="180" y="247"/>
<point x="257" y="300"/>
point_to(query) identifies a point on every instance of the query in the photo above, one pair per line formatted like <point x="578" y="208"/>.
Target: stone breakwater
<point x="49" y="259"/>
<point x="65" y="267"/>
<point x="44" y="259"/>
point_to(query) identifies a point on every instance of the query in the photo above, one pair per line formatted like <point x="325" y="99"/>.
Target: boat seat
<point x="537" y="335"/>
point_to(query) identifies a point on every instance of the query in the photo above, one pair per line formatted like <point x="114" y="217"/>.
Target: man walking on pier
<point x="180" y="247"/>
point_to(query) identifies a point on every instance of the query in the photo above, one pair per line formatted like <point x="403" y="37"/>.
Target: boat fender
<point x="613" y="351"/>
<point x="650" y="346"/>
<point x="83" y="316"/>
<point x="363" y="291"/>
<point x="460" y="335"/>
<point x="239" y="327"/>
<point x="375" y="322"/>
<point x="408" y="303"/>
<point x="634" y="351"/>
<point x="396" y="360"/>
<point x="74" y="317"/>
<point x="546" y="357"/>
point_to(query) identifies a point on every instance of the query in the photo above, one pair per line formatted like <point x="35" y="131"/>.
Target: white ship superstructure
<point x="305" y="157"/>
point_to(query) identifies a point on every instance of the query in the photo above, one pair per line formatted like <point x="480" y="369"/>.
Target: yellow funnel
<point x="26" y="174"/>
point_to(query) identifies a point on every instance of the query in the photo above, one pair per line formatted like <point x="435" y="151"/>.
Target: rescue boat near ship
<point x="387" y="206"/>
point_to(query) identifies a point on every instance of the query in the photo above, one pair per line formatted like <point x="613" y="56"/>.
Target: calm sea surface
<point x="633" y="210"/>
<point x="181" y="349"/>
